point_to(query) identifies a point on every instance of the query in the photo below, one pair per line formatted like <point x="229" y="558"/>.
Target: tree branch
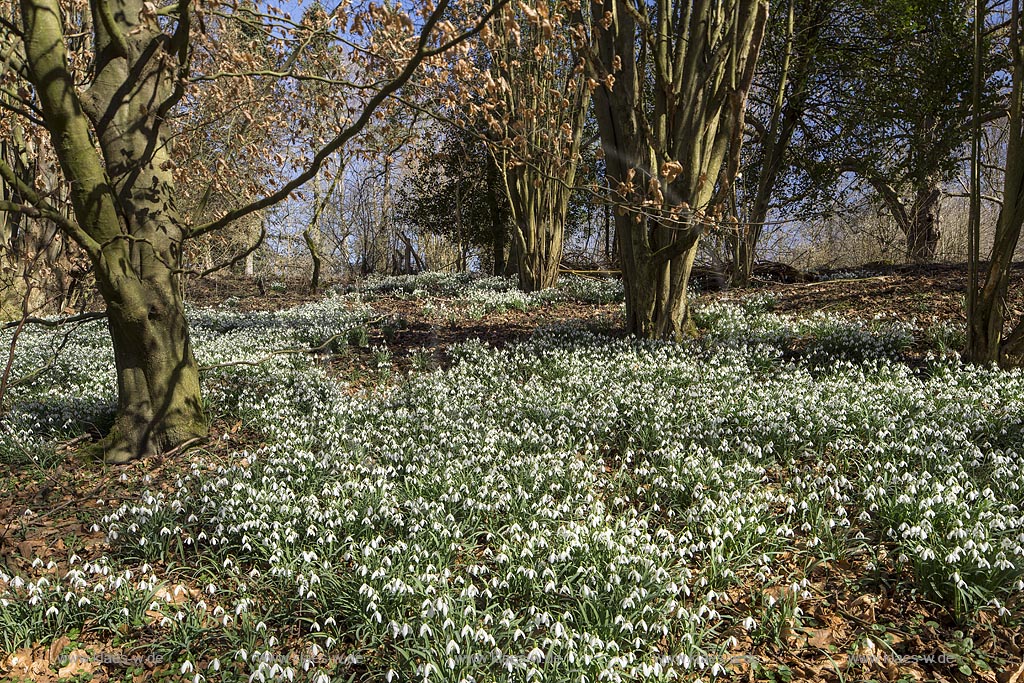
<point x="37" y="207"/>
<point x="57" y="322"/>
<point x="114" y="33"/>
<point x="342" y="138"/>
<point x="234" y="260"/>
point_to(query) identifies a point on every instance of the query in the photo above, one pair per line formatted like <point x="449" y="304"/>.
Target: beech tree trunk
<point x="107" y="130"/>
<point x="124" y="205"/>
<point x="159" y="404"/>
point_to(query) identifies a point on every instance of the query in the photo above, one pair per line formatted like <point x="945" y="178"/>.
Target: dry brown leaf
<point x="79" y="662"/>
<point x="670" y="170"/>
<point x="820" y="638"/>
<point x="1012" y="676"/>
<point x="56" y="647"/>
<point x="19" y="660"/>
<point x="914" y="672"/>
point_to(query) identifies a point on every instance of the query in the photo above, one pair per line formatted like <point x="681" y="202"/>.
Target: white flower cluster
<point x="569" y="508"/>
<point x="822" y="338"/>
<point x="482" y="295"/>
<point x="855" y="274"/>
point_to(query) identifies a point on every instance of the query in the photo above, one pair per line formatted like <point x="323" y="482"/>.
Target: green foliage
<point x="889" y="94"/>
<point x="458" y="192"/>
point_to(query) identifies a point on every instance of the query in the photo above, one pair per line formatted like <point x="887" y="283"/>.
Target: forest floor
<point x="924" y="292"/>
<point x="864" y="616"/>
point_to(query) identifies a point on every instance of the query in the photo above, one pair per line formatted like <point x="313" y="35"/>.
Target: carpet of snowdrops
<point x="573" y="507"/>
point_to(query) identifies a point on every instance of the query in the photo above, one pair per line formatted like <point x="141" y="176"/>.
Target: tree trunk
<point x="539" y="207"/>
<point x="498" y="252"/>
<point x="657" y="301"/>
<point x="159" y="405"/>
<point x="920" y="223"/>
<point x="923" y="227"/>
<point x="124" y="203"/>
<point x="985" y="329"/>
<point x="314" y="255"/>
<point x="498" y="228"/>
<point x="788" y="109"/>
<point x="667" y="120"/>
<point x="538" y="252"/>
<point x="607" y="233"/>
<point x="985" y="343"/>
<point x="543" y="111"/>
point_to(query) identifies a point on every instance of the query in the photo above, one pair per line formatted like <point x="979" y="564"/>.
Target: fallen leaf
<point x="78" y="662"/>
<point x="1014" y="677"/>
<point x="914" y="672"/>
<point x="56" y="647"/>
<point x="20" y="659"/>
<point x="820" y="638"/>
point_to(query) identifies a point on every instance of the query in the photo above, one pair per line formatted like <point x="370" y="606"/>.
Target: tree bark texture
<point x="124" y="205"/>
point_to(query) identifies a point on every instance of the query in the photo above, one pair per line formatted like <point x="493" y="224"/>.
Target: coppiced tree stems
<point x="665" y="145"/>
<point x="540" y="106"/>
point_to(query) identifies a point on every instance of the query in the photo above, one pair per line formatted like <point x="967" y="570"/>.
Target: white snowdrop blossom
<point x="553" y="510"/>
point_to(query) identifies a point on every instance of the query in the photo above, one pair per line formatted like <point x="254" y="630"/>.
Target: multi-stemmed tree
<point x="534" y="104"/>
<point x="670" y="80"/>
<point x="991" y="337"/>
<point x="784" y="90"/>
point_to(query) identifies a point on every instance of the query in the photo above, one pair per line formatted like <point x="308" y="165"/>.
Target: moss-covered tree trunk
<point x="159" y="405"/>
<point x="123" y="198"/>
<point x="657" y="305"/>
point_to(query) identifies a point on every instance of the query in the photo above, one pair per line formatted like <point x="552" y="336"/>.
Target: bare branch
<point x="351" y="131"/>
<point x="39" y="207"/>
<point x="57" y="322"/>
